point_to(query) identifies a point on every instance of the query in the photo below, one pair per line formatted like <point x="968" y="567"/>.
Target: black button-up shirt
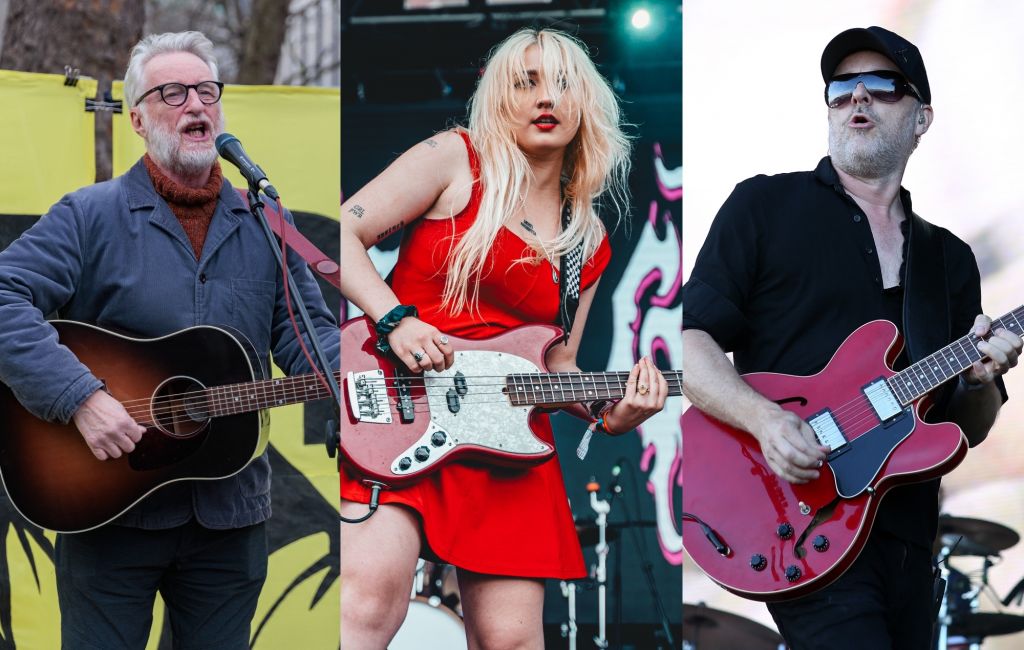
<point x="789" y="270"/>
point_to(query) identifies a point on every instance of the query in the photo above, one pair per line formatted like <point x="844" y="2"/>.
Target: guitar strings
<point x="209" y="400"/>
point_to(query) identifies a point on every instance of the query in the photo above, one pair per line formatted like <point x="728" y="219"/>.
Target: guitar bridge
<point x="368" y="397"/>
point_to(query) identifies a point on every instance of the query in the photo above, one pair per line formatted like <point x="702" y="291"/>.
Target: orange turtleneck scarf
<point x="192" y="206"/>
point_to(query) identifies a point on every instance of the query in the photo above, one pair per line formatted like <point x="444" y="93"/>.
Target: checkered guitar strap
<point x="569" y="275"/>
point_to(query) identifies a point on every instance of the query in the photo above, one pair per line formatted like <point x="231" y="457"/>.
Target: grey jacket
<point x="114" y="255"/>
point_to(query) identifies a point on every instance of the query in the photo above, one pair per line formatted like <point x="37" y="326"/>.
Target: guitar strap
<point x="570" y="269"/>
<point x="926" y="308"/>
<point x="323" y="265"/>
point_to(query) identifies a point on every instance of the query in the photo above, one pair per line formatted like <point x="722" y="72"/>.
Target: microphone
<point x="230" y="149"/>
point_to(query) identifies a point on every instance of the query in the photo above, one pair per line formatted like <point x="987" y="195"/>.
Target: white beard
<point x="877" y="153"/>
<point x="167" y="148"/>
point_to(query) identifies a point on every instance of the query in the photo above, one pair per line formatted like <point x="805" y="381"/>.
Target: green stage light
<point x="641" y="19"/>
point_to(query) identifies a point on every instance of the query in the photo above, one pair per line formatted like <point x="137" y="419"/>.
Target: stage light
<point x="640" y="19"/>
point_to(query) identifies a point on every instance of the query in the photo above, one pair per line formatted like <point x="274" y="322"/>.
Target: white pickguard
<point x="485" y="417"/>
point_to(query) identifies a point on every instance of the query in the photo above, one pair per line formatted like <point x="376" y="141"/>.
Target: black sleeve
<point x="964" y="291"/>
<point x="716" y="293"/>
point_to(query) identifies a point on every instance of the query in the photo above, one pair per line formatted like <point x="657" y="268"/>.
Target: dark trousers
<point x="883" y="602"/>
<point x="107" y="580"/>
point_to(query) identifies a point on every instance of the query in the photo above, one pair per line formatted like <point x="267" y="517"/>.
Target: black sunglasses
<point x="176" y="94"/>
<point x="884" y="85"/>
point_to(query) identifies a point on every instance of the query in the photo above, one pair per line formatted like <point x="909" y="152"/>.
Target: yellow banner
<point x="293" y="133"/>
<point x="47" y="140"/>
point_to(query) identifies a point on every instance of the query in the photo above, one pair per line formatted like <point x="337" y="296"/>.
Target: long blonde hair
<point x="594" y="171"/>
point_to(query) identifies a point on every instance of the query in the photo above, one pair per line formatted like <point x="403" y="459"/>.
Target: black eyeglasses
<point x="176" y="94"/>
<point x="884" y="85"/>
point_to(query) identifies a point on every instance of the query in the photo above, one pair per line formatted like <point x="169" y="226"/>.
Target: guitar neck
<point x="531" y="389"/>
<point x="936" y="369"/>
<point x="232" y="399"/>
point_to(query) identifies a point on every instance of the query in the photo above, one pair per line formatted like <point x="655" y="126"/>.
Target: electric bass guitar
<point x="195" y="391"/>
<point x="766" y="539"/>
<point x="397" y="426"/>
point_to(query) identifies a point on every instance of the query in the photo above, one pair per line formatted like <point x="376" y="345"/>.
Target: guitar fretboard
<point x="232" y="399"/>
<point x="529" y="389"/>
<point x="927" y="374"/>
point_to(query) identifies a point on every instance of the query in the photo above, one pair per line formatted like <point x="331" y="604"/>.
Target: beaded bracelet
<point x="389" y="322"/>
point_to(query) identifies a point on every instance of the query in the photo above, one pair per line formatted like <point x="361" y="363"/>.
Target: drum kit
<point x="961" y="625"/>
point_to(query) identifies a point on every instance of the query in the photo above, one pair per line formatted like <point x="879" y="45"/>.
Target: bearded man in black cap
<point x="792" y="265"/>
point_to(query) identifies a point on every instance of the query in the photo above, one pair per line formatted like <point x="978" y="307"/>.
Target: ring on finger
<point x="443" y="339"/>
<point x="418" y="356"/>
<point x="642" y="389"/>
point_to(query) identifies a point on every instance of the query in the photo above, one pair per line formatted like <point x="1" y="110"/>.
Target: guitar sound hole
<point x="181" y="407"/>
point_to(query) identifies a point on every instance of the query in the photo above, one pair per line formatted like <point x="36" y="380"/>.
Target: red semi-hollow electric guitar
<point x="764" y="538"/>
<point x="397" y="427"/>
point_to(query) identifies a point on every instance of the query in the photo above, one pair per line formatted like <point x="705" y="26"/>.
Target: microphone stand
<point x="569" y="628"/>
<point x="256" y="207"/>
<point x="602" y="508"/>
<point x="648" y="568"/>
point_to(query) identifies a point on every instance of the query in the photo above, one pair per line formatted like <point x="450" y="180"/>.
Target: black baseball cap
<point x="899" y="50"/>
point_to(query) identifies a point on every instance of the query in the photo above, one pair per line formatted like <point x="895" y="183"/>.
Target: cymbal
<point x="982" y="624"/>
<point x="713" y="629"/>
<point x="980" y="537"/>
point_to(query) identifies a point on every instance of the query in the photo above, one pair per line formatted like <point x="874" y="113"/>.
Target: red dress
<point x="492" y="520"/>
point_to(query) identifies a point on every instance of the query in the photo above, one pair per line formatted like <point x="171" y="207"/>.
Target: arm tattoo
<point x="431" y="143"/>
<point x="357" y="210"/>
<point x="390" y="231"/>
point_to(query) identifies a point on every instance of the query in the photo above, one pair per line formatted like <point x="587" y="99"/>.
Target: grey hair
<point x="154" y="44"/>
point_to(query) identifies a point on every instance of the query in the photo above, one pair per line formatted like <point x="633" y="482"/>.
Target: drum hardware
<point x="961" y="625"/>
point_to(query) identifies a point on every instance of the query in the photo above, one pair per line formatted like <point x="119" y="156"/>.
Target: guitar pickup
<point x="460" y="384"/>
<point x="406" y="410"/>
<point x="453" y="400"/>
<point x="827" y="429"/>
<point x="882" y="400"/>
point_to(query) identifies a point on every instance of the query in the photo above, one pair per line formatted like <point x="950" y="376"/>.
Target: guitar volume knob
<point x="793" y="573"/>
<point x="758" y="562"/>
<point x="785" y="531"/>
<point x="422" y="453"/>
<point x="820" y="543"/>
<point x="405" y="463"/>
<point x="438" y="438"/>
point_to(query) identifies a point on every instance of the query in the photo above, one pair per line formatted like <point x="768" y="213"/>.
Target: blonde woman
<point x="482" y="210"/>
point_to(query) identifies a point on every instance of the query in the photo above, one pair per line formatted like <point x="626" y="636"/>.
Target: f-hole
<point x="802" y="401"/>
<point x="180" y="407"/>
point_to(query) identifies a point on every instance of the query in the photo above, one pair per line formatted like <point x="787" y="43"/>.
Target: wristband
<point x="602" y="424"/>
<point x="389" y="322"/>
